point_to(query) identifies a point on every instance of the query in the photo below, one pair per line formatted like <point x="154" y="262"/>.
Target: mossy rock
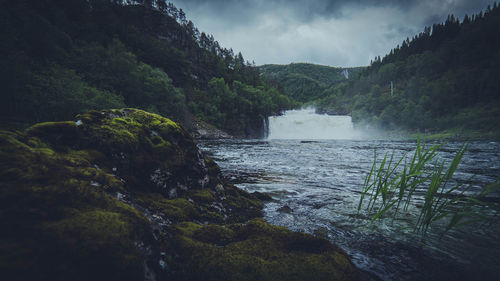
<point x="150" y="152"/>
<point x="256" y="251"/>
<point x="62" y="188"/>
<point x="60" y="220"/>
<point x="205" y="205"/>
<point x="127" y="195"/>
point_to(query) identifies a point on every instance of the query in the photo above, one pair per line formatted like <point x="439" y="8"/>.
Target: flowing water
<point x="315" y="177"/>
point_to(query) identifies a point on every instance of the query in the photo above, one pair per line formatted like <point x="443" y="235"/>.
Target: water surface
<point x="320" y="182"/>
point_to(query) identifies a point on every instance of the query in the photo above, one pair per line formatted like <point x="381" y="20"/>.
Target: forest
<point x="305" y="81"/>
<point x="445" y="78"/>
<point x="64" y="57"/>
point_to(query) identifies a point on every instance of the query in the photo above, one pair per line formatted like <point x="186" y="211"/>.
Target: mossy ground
<point x="80" y="201"/>
<point x="256" y="251"/>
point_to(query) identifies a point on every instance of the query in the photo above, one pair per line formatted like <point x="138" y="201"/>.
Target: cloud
<point x="331" y="32"/>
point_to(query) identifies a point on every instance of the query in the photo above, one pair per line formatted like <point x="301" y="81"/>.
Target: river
<point x="315" y="179"/>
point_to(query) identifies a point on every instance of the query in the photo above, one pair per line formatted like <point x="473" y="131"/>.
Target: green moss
<point x="214" y="234"/>
<point x="256" y="251"/>
<point x="99" y="241"/>
<point x="53" y="129"/>
<point x="202" y="195"/>
<point x="126" y="129"/>
<point x="187" y="229"/>
<point x="58" y="214"/>
<point x="178" y="209"/>
<point x="103" y="225"/>
<point x="243" y="205"/>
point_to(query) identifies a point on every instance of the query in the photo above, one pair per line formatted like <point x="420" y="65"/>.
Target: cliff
<point x="126" y="195"/>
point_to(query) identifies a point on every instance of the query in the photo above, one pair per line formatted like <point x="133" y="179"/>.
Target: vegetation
<point x="443" y="78"/>
<point x="306" y="82"/>
<point x="125" y="195"/>
<point x="258" y="251"/>
<point x="393" y="186"/>
<point x="60" y="58"/>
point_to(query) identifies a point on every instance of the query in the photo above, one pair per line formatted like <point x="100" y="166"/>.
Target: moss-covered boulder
<point x="256" y="251"/>
<point x="127" y="195"/>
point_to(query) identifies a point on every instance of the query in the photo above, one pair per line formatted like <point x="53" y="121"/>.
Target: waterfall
<point x="345" y="72"/>
<point x="306" y="124"/>
<point x="266" y="127"/>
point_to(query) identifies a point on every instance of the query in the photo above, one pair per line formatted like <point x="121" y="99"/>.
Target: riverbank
<point x="445" y="135"/>
<point x="127" y="195"/>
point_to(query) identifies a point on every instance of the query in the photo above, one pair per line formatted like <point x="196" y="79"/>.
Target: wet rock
<point x="219" y="188"/>
<point x="262" y="196"/>
<point x="285" y="209"/>
<point x="203" y="130"/>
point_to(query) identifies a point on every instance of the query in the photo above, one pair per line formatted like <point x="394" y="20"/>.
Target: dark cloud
<point x="302" y="9"/>
<point x="333" y="32"/>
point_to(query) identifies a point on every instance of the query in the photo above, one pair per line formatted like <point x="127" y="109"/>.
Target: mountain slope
<point x="445" y="78"/>
<point x="305" y="82"/>
<point x="65" y="57"/>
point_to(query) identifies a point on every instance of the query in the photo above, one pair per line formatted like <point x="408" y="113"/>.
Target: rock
<point x="257" y="250"/>
<point x="262" y="196"/>
<point x="203" y="130"/>
<point x="127" y="195"/>
<point x="285" y="209"/>
<point x="333" y="111"/>
<point x="219" y="188"/>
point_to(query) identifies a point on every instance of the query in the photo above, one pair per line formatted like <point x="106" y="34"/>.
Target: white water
<point x="306" y="124"/>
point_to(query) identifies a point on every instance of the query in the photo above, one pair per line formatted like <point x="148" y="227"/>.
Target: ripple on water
<point x="320" y="182"/>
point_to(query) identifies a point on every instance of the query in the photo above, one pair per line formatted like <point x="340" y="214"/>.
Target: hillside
<point x="443" y="79"/>
<point x="305" y="82"/>
<point x="61" y="58"/>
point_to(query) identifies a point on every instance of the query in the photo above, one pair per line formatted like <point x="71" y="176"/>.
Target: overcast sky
<point x="329" y="32"/>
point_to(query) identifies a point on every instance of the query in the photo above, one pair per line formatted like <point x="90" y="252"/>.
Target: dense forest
<point x="63" y="57"/>
<point x="445" y="78"/>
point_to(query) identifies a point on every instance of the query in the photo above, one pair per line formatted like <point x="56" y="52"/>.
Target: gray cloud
<point x="331" y="32"/>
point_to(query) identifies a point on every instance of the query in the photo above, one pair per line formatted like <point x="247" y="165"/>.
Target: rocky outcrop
<point x="202" y="130"/>
<point x="126" y="195"/>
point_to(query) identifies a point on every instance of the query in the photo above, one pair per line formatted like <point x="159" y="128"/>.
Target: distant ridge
<point x="306" y="82"/>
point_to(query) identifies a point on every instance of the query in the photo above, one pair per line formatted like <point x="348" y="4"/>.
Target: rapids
<point x="316" y="182"/>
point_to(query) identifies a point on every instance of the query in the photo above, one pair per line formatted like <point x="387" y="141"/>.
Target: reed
<point x="391" y="188"/>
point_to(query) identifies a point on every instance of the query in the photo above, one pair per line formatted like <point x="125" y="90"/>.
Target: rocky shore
<point x="127" y="195"/>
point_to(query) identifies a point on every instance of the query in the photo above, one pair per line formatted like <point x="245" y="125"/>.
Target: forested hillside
<point x="446" y="77"/>
<point x="62" y="57"/>
<point x="306" y="82"/>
